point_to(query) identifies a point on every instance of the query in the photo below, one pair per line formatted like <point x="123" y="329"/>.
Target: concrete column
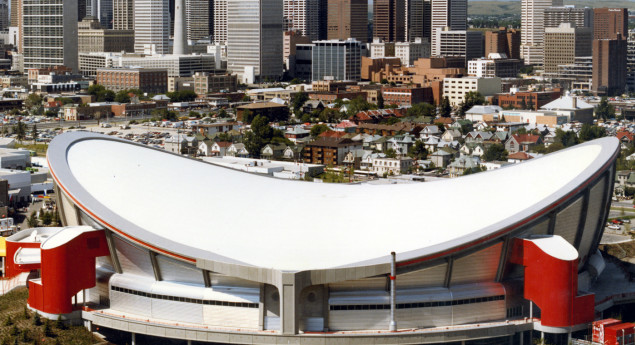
<point x="393" y="306"/>
<point x="288" y="297"/>
<point x="511" y="340"/>
<point x="522" y="337"/>
<point x="133" y="340"/>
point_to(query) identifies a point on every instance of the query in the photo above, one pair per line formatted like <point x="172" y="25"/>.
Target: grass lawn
<point x="18" y="325"/>
<point x="40" y="149"/>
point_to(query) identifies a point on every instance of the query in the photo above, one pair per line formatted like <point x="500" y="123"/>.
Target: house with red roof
<point x="625" y="137"/>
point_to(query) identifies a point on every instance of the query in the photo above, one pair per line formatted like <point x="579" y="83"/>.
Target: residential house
<point x="431" y="144"/>
<point x="219" y="148"/>
<point x="312" y="105"/>
<point x="429" y="131"/>
<point x="478" y="136"/>
<point x="391" y="166"/>
<point x="463" y="163"/>
<point x="205" y="147"/>
<point x="522" y="142"/>
<point x="297" y="133"/>
<point x="440" y="158"/>
<point x="367" y="160"/>
<point x="210" y="129"/>
<point x="401" y="143"/>
<point x="519" y="157"/>
<point x="624" y="137"/>
<point x="346" y="126"/>
<point x="181" y="144"/>
<point x="621" y="177"/>
<point x="390" y="130"/>
<point x="354" y="158"/>
<point x="374" y="142"/>
<point x="272" y="151"/>
<point x="472" y="149"/>
<point x="293" y="153"/>
<point x="376" y="116"/>
<point x="237" y="150"/>
<point x="451" y="135"/>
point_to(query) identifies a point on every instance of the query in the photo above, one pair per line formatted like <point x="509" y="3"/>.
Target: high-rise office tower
<point x="348" y="19"/>
<point x="451" y="14"/>
<point x="532" y="30"/>
<point x="220" y="21"/>
<point x="4" y="15"/>
<point x="630" y="62"/>
<point x="60" y="34"/>
<point x="323" y="19"/>
<point x="609" y="22"/>
<point x="16" y="6"/>
<point x="503" y="40"/>
<point x="389" y="19"/>
<point x="102" y="10"/>
<point x="302" y="16"/>
<point x="579" y="17"/>
<point x="563" y="44"/>
<point x="151" y="25"/>
<point x="123" y="15"/>
<point x="199" y="18"/>
<point x="427" y="19"/>
<point x="610" y="50"/>
<point x="609" y="65"/>
<point x="337" y="60"/>
<point x="414" y="19"/>
<point x="254" y="39"/>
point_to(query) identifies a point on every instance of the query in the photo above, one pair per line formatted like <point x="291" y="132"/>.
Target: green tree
<point x="604" y="110"/>
<point x="47" y="218"/>
<point x="418" y="150"/>
<point x="319" y="129"/>
<point x="590" y="132"/>
<point x="182" y="96"/>
<point x="421" y="109"/>
<point x="446" y="108"/>
<point x="567" y="139"/>
<point x="122" y="97"/>
<point x="380" y="100"/>
<point x="358" y="104"/>
<point x="471" y="99"/>
<point x="34" y="133"/>
<point x="298" y="101"/>
<point x="390" y="153"/>
<point x="259" y="136"/>
<point x="495" y="152"/>
<point x="20" y="130"/>
<point x="33" y="100"/>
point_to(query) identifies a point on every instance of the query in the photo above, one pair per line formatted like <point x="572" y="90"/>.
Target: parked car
<point x="617" y="221"/>
<point x="614" y="227"/>
<point x="626" y="220"/>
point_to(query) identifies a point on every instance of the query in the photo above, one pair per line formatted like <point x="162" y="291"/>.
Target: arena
<point x="160" y="244"/>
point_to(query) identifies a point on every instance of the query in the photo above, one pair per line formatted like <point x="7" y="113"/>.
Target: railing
<point x="8" y="284"/>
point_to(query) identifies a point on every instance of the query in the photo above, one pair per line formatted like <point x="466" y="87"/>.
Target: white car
<point x="615" y="227"/>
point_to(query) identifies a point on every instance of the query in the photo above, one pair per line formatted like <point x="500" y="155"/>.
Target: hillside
<point x="513" y="7"/>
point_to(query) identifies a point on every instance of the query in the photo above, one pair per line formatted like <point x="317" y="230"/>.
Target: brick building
<point x="503" y="41"/>
<point x="526" y="99"/>
<point x="407" y="96"/>
<point x="329" y="151"/>
<point x="149" y="80"/>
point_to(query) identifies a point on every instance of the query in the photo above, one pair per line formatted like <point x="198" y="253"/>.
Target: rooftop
<point x="121" y="186"/>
